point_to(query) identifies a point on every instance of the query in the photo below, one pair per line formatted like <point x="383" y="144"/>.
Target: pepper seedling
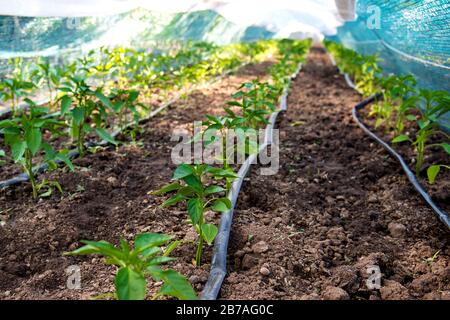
<point x="436" y="104"/>
<point x="191" y="187"/>
<point x="89" y="114"/>
<point x="256" y="100"/>
<point x="395" y="90"/>
<point x="50" y="76"/>
<point x="224" y="124"/>
<point x="13" y="89"/>
<point x="135" y="264"/>
<point x="124" y="102"/>
<point x="24" y="136"/>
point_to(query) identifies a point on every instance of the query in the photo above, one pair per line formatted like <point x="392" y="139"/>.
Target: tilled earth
<point x="339" y="210"/>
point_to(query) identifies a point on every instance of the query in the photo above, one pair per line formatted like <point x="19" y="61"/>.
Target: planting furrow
<point x="336" y="211"/>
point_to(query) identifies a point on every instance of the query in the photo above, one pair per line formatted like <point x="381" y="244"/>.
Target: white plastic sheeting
<point x="286" y="18"/>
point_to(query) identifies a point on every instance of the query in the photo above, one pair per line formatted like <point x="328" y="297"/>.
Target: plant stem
<point x="29" y="170"/>
<point x="225" y="161"/>
<point x="420" y="151"/>
<point x="80" y="140"/>
<point x="199" y="252"/>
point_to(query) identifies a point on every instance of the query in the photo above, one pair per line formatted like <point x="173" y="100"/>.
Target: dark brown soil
<point x="106" y="198"/>
<point x="339" y="205"/>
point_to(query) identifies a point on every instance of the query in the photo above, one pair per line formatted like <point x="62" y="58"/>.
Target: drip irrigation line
<point x="441" y="214"/>
<point x="220" y="252"/>
<point x="43" y="167"/>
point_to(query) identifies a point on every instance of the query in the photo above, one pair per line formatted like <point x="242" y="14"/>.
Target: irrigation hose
<point x="220" y="251"/>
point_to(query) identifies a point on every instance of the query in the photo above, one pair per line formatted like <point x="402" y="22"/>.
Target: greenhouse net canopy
<point x="410" y="36"/>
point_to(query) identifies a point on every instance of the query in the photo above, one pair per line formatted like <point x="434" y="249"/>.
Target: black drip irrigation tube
<point x="43" y="167"/>
<point x="220" y="252"/>
<point x="441" y="214"/>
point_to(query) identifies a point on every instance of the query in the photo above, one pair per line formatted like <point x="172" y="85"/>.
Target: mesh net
<point x="42" y="36"/>
<point x="410" y="37"/>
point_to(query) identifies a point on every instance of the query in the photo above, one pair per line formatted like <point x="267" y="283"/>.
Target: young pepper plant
<point x="24" y="136"/>
<point x="13" y="89"/>
<point x="395" y="91"/>
<point x="44" y="73"/>
<point x="190" y="187"/>
<point x="257" y="100"/>
<point x="89" y="114"/>
<point x="124" y="102"/>
<point x="135" y="264"/>
<point x="223" y="125"/>
<point x="436" y="105"/>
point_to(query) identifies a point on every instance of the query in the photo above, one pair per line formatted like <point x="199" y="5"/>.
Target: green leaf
<point x="7" y="123"/>
<point x="172" y="246"/>
<point x="106" y="249"/>
<point x="65" y="89"/>
<point x="432" y="173"/>
<point x="78" y="115"/>
<point x="222" y="173"/>
<point x="2" y="153"/>
<point x="50" y="154"/>
<point x="168" y="188"/>
<point x="446" y="147"/>
<point x="57" y="186"/>
<point x="103" y="134"/>
<point x="234" y="103"/>
<point x="195" y="210"/>
<point x="130" y="285"/>
<point x="104" y="99"/>
<point x="11" y="130"/>
<point x="34" y="139"/>
<point x="159" y="260"/>
<point x="182" y="171"/>
<point x="18" y="149"/>
<point x="144" y="241"/>
<point x="85" y="250"/>
<point x="193" y="182"/>
<point x="230" y="112"/>
<point x="209" y="232"/>
<point x="221" y="205"/>
<point x="66" y="102"/>
<point x="46" y="194"/>
<point x="133" y="95"/>
<point x="175" y="285"/>
<point x="64" y="158"/>
<point x="214" y="189"/>
<point x="401" y="138"/>
<point x="118" y="105"/>
<point x="173" y="200"/>
<point x="186" y="191"/>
